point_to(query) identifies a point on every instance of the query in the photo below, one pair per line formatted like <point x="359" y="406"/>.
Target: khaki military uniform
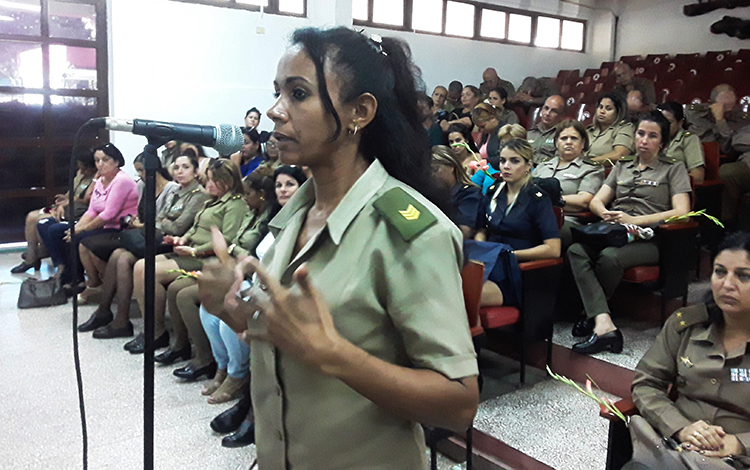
<point x="508" y="116"/>
<point x="702" y="123"/>
<point x="543" y="143"/>
<point x="736" y="175"/>
<point x="179" y="213"/>
<point x="644" y="85"/>
<point x="713" y="385"/>
<point x="601" y="142"/>
<point x="251" y="232"/>
<point x="226" y="213"/>
<point x="687" y="149"/>
<point x="387" y="264"/>
<point x="637" y="192"/>
<point x="575" y="176"/>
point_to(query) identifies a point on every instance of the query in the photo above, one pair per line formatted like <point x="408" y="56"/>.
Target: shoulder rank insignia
<point x="404" y="213"/>
<point x="666" y="159"/>
<point x="689" y="316"/>
<point x="627" y="158"/>
<point x="686" y="361"/>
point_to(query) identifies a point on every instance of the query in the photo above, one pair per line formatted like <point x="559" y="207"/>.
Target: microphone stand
<point x="150" y="164"/>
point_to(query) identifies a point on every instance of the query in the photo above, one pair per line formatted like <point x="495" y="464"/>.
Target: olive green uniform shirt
<point x="642" y="84"/>
<point x="178" y="214"/>
<point x="575" y="176"/>
<point x="647" y="191"/>
<point x="508" y="116"/>
<point x="702" y="123"/>
<point x="543" y="143"/>
<point x="713" y="385"/>
<point x="226" y="213"/>
<point x="390" y="277"/>
<point x="601" y="142"/>
<point x="687" y="149"/>
<point x="251" y="232"/>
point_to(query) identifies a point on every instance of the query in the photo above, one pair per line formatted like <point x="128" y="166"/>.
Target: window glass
<point x="21" y="64"/>
<point x="20" y="17"/>
<point x="72" y="67"/>
<point x="69" y="113"/>
<point x="257" y="3"/>
<point x="21" y="168"/>
<point x="296" y="7"/>
<point x="388" y="12"/>
<point x="572" y="35"/>
<point x="427" y="15"/>
<point x="547" y="32"/>
<point x="21" y="116"/>
<point x="519" y="28"/>
<point x="72" y="20"/>
<point x="493" y="24"/>
<point x="359" y="10"/>
<point x="459" y="19"/>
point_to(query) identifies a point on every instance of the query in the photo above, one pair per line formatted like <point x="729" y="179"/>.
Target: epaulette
<point x="404" y="213"/>
<point x="627" y="158"/>
<point x="235" y="197"/>
<point x="686" y="317"/>
<point x="666" y="159"/>
<point x="590" y="162"/>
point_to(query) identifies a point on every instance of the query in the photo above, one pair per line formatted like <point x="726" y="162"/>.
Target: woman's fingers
<point x="220" y="246"/>
<point x="268" y="283"/>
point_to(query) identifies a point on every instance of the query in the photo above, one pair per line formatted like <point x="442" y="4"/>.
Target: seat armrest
<point x="539" y="264"/>
<point x="678" y="225"/>
<point x="626" y="407"/>
<point x="708" y="184"/>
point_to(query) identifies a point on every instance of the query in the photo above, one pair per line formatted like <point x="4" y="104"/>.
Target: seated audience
<point x="470" y="97"/>
<point x="466" y="197"/>
<point x="270" y="154"/>
<point x="683" y="146"/>
<point x="533" y="92"/>
<point x="226" y="210"/>
<point x="719" y="119"/>
<point x="626" y="82"/>
<point x="439" y="97"/>
<point x="115" y="195"/>
<point x="171" y="150"/>
<point x="735" y="176"/>
<point x="455" y="88"/>
<point x="611" y="134"/>
<point x="542" y="136"/>
<point x="251" y="155"/>
<point x="519" y="214"/>
<point x="95" y="251"/>
<point x="57" y="212"/>
<point x="701" y="353"/>
<point x="491" y="81"/>
<point x="457" y="135"/>
<point x="174" y="219"/>
<point x="434" y="132"/>
<point x="252" y="118"/>
<point x="637" y="105"/>
<point x="579" y="177"/>
<point x="644" y="189"/>
<point x="506" y="133"/>
<point x="487" y="119"/>
<point x="497" y="98"/>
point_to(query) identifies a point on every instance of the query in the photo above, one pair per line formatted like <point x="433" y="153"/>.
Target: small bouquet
<point x="702" y="212"/>
<point x="479" y="164"/>
<point x="185" y="274"/>
<point x="605" y="402"/>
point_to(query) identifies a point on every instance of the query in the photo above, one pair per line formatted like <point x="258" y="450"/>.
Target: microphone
<point x="225" y="138"/>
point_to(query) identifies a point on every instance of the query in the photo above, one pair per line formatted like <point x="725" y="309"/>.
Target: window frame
<point x="271" y="9"/>
<point x="479" y="8"/>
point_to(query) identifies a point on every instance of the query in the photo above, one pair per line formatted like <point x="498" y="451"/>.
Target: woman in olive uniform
<point x="643" y="190"/>
<point x="357" y="323"/>
<point x="683" y="146"/>
<point x="611" y="134"/>
<point x="703" y="352"/>
<point x="226" y="211"/>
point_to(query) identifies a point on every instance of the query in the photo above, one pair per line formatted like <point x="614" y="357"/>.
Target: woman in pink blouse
<point x="115" y="195"/>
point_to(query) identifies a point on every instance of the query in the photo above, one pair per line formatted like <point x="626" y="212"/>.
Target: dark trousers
<point x="597" y="273"/>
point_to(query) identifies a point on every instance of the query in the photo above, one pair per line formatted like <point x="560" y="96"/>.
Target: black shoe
<point x="192" y="373"/>
<point x="138" y="345"/>
<point x="109" y="332"/>
<point x="611" y="341"/>
<point x="23" y="267"/>
<point x="100" y="317"/>
<point x="244" y="436"/>
<point x="232" y="418"/>
<point x="583" y="327"/>
<point x="173" y="355"/>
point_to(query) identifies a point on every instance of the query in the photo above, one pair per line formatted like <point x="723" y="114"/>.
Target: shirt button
<point x="280" y="436"/>
<point x="713" y="381"/>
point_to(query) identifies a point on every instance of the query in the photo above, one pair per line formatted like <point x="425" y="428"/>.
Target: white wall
<point x="648" y="26"/>
<point x="182" y="62"/>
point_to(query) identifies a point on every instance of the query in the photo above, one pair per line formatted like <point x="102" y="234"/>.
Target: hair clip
<point x="376" y="41"/>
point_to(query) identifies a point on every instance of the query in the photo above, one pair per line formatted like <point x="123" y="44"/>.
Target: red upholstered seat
<point x="498" y="317"/>
<point x="641" y="274"/>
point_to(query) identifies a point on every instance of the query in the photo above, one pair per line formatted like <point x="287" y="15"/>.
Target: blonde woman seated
<point x="580" y="178"/>
<point x="466" y="197"/>
<point x="519" y="214"/>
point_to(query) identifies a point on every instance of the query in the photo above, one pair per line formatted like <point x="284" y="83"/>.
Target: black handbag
<point x="600" y="235"/>
<point x="37" y="293"/>
<point x="135" y="242"/>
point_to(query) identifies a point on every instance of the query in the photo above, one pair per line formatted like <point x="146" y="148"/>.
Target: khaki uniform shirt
<point x="702" y="123"/>
<point x="394" y="293"/>
<point x="575" y="176"/>
<point x="543" y="143"/>
<point x="687" y="149"/>
<point x="508" y="116"/>
<point x="601" y="142"/>
<point x="647" y="191"/>
<point x="179" y="212"/>
<point x="713" y="385"/>
<point x="226" y="213"/>
<point x="644" y="85"/>
<point x="251" y="232"/>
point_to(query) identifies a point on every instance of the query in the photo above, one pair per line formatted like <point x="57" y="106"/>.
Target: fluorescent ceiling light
<point x="20" y="6"/>
<point x="6" y="18"/>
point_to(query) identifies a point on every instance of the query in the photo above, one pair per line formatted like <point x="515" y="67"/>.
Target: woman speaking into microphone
<point x="356" y="320"/>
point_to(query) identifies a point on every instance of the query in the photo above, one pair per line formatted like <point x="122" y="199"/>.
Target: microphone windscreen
<point x="229" y="139"/>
